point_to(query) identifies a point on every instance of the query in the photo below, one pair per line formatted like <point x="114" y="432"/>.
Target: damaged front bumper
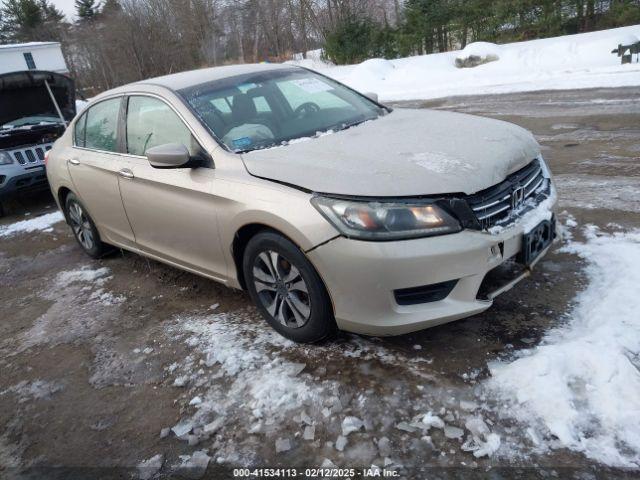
<point x="391" y="288"/>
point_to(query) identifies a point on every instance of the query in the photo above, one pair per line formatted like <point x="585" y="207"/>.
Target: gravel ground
<point x="100" y="359"/>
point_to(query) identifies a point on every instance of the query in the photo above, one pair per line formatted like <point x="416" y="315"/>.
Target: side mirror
<point x="169" y="155"/>
<point x="372" y="96"/>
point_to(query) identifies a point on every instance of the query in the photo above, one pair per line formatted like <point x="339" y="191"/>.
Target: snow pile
<point x="43" y="223"/>
<point x="373" y="68"/>
<point x="628" y="39"/>
<point x="477" y="53"/>
<point x="569" y="62"/>
<point x="314" y="60"/>
<point x="580" y="389"/>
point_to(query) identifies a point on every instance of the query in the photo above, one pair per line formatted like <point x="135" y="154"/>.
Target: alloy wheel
<point x="281" y="289"/>
<point x="81" y="225"/>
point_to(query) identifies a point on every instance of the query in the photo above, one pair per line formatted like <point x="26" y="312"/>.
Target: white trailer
<point x="19" y="57"/>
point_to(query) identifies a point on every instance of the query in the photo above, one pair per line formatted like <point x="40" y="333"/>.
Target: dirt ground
<point x="93" y="369"/>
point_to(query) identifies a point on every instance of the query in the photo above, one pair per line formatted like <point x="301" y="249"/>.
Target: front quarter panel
<point x="260" y="202"/>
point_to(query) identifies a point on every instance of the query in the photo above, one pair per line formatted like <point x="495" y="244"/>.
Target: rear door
<point x="172" y="211"/>
<point x="95" y="165"/>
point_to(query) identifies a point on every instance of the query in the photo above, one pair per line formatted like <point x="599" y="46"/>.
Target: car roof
<point x="178" y="81"/>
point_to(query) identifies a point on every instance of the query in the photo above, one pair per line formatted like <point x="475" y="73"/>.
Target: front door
<point x="94" y="165"/>
<point x="172" y="211"/>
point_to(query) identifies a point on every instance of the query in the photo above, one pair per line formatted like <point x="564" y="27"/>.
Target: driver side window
<point x="151" y="122"/>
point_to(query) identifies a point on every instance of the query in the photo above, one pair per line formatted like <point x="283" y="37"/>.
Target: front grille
<point x="497" y="206"/>
<point x="33" y="155"/>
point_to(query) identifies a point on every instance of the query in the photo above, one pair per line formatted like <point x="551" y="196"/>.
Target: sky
<point x="67" y="7"/>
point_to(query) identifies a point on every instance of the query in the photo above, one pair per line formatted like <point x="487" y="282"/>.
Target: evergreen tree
<point x="87" y="9"/>
<point x="50" y="13"/>
<point x="110" y="7"/>
<point x="350" y="41"/>
<point x="30" y="20"/>
<point x="3" y="34"/>
<point x="21" y="19"/>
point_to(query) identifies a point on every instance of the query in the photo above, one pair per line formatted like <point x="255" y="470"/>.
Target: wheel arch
<point x="240" y="240"/>
<point x="242" y="237"/>
<point x="62" y="194"/>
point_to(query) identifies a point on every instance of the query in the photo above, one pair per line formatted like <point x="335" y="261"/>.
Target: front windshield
<point x="31" y="121"/>
<point x="265" y="109"/>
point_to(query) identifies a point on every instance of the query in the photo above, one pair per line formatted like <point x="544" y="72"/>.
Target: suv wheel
<point x="83" y="227"/>
<point x="286" y="289"/>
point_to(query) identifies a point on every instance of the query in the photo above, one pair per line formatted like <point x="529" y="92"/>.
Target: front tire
<point x="84" y="230"/>
<point x="287" y="290"/>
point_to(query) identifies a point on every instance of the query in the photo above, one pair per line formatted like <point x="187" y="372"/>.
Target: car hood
<point x="405" y="153"/>
<point x="24" y="94"/>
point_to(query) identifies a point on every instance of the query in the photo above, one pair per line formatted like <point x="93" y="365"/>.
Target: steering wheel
<point x="306" y="109"/>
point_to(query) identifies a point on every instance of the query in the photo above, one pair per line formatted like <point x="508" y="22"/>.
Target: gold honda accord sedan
<point x="332" y="210"/>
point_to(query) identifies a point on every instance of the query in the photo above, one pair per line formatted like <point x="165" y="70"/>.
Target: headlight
<point x="386" y="221"/>
<point x="5" y="158"/>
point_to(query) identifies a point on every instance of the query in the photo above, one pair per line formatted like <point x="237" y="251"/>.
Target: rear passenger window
<point x="80" y="130"/>
<point x="151" y="122"/>
<point x="102" y="126"/>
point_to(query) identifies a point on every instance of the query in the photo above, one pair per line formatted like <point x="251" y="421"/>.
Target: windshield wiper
<point x="344" y="125"/>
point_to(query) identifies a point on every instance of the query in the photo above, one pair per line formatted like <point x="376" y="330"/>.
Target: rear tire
<point x="287" y="290"/>
<point x="84" y="230"/>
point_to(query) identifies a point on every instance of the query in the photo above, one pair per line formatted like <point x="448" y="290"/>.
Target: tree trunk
<point x="256" y="38"/>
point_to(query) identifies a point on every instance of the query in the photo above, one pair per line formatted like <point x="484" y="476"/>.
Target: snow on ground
<point x="84" y="274"/>
<point x="577" y="390"/>
<point x="599" y="192"/>
<point x="242" y="376"/>
<point x="239" y="376"/>
<point x="43" y="223"/>
<point x="569" y="62"/>
<point x="580" y="389"/>
<point x="35" y="390"/>
<point x="71" y="313"/>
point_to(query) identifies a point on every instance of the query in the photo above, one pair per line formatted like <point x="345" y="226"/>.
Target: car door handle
<point x="74" y="161"/>
<point x="126" y="173"/>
